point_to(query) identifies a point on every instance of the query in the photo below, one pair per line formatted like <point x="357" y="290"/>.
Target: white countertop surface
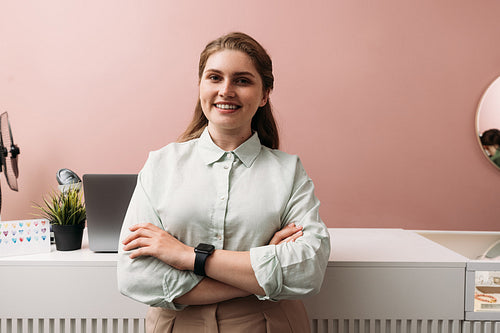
<point x="388" y="247"/>
<point x="350" y="247"/>
<point x="82" y="257"/>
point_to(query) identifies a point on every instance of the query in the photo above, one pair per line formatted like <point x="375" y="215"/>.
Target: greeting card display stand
<point x="24" y="237"/>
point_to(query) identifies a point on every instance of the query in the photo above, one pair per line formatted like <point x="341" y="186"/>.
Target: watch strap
<point x="199" y="263"/>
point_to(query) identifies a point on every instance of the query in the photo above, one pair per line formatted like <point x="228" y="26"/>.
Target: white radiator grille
<point x="481" y="327"/>
<point x="72" y="325"/>
<point x="136" y="325"/>
<point x="387" y="326"/>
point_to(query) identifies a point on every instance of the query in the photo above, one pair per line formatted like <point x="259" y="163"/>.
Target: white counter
<point x="83" y="257"/>
<point x="390" y="274"/>
<point x="373" y="274"/>
<point x="388" y="247"/>
<point x="64" y="284"/>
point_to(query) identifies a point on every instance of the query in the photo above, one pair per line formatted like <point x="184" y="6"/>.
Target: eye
<point x="213" y="77"/>
<point x="243" y="81"/>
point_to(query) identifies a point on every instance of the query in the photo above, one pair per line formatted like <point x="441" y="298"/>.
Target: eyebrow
<point x="233" y="74"/>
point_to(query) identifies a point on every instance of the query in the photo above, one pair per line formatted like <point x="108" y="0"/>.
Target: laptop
<point x="106" y="200"/>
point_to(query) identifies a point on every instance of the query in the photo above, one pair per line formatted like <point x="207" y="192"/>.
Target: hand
<point x="147" y="239"/>
<point x="288" y="234"/>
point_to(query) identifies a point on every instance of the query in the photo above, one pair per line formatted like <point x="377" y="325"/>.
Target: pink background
<point x="377" y="97"/>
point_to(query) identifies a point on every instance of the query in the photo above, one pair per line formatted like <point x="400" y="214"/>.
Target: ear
<point x="265" y="98"/>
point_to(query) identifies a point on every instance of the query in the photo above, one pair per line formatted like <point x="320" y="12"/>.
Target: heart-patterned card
<point x="24" y="237"/>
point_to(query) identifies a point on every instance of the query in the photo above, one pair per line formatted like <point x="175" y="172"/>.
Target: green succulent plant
<point x="64" y="208"/>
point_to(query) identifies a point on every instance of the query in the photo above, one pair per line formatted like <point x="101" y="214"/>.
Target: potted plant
<point x="66" y="213"/>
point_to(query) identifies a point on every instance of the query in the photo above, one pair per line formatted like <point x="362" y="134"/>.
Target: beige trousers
<point x="246" y="314"/>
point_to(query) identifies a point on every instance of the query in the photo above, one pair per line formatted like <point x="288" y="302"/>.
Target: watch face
<point x="205" y="248"/>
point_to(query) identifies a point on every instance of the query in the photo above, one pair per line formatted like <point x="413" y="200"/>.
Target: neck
<point x="228" y="140"/>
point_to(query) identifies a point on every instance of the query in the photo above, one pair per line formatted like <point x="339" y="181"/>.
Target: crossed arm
<point x="229" y="273"/>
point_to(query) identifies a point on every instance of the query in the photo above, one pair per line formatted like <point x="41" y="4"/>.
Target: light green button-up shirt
<point x="234" y="200"/>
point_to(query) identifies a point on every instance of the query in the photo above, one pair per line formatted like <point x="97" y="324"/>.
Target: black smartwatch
<point x="202" y="252"/>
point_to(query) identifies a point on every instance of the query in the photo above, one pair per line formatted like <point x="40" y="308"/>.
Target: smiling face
<point x="231" y="91"/>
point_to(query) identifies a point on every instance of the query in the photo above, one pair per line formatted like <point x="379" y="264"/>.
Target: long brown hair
<point x="263" y="121"/>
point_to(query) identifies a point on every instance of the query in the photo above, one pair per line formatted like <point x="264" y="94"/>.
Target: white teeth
<point x="226" y="106"/>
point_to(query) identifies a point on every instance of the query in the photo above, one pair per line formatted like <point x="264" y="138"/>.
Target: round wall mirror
<point x="488" y="123"/>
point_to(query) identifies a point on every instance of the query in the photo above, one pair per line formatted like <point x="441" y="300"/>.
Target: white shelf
<point x="83" y="257"/>
<point x="388" y="247"/>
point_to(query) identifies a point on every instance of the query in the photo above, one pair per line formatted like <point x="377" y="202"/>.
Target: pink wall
<point x="377" y="97"/>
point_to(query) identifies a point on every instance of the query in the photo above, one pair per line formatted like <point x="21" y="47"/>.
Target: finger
<point x="288" y="231"/>
<point x="282" y="234"/>
<point x="143" y="251"/>
<point x="148" y="225"/>
<point x="295" y="236"/>
<point x="292" y="238"/>
<point x="142" y="229"/>
<point x="137" y="234"/>
<point x="137" y="243"/>
<point x="292" y="227"/>
<point x="277" y="238"/>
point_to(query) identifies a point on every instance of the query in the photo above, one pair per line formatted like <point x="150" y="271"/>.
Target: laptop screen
<point x="106" y="200"/>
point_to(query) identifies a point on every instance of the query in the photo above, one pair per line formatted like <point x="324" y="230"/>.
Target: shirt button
<point x="226" y="167"/>
<point x="219" y="237"/>
<point x="222" y="198"/>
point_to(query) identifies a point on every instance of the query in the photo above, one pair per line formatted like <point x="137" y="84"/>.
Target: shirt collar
<point x="247" y="152"/>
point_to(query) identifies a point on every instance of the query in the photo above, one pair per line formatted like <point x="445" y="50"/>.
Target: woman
<point x="490" y="140"/>
<point x="223" y="230"/>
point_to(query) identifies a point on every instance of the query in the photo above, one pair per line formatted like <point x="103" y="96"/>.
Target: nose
<point x="226" y="89"/>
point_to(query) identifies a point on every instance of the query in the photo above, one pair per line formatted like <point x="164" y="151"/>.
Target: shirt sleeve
<point x="148" y="279"/>
<point x="295" y="269"/>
